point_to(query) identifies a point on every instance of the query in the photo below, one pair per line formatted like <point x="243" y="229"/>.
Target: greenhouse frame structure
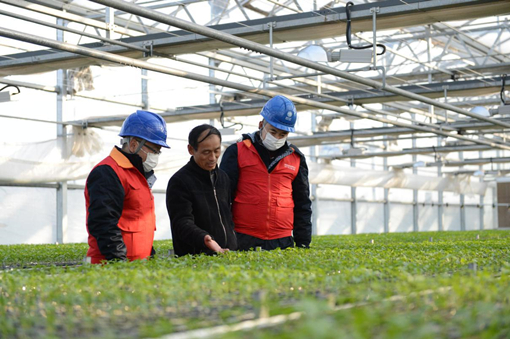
<point x="431" y="112"/>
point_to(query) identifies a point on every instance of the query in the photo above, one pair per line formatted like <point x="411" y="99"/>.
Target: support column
<point x="315" y="198"/>
<point x="62" y="141"/>
<point x="271" y="59"/>
<point x="440" y="208"/>
<point x="212" y="88"/>
<point x="440" y="203"/>
<point x="481" y="209"/>
<point x="145" y="89"/>
<point x="354" y="207"/>
<point x="109" y="18"/>
<point x="415" y="192"/>
<point x="386" y="205"/>
<point x="462" y="203"/>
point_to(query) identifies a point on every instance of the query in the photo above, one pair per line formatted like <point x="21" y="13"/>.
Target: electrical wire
<point x="222" y="119"/>
<point x="1" y="89"/>
<point x="348" y="32"/>
<point x="502" y="93"/>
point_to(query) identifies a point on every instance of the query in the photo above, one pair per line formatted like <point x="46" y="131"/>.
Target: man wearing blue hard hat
<point x="271" y="204"/>
<point x="121" y="218"/>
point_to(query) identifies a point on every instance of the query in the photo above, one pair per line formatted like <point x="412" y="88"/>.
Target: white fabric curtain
<point x="47" y="162"/>
<point x="356" y="177"/>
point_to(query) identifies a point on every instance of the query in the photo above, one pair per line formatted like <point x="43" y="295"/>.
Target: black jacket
<point x="300" y="188"/>
<point x="198" y="204"/>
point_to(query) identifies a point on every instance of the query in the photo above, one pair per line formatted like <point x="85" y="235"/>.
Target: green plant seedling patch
<point x="398" y="285"/>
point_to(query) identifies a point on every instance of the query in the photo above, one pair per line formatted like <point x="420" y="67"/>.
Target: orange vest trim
<point x="138" y="220"/>
<point x="263" y="206"/>
<point x="120" y="159"/>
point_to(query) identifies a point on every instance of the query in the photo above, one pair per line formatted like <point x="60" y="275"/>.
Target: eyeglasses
<point x="150" y="148"/>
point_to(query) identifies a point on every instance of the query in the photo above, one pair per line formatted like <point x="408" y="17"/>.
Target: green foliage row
<point x="166" y="294"/>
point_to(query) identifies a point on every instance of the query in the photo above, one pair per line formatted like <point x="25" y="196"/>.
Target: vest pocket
<point x="247" y="199"/>
<point x="285" y="202"/>
<point x="131" y="220"/>
<point x="245" y="212"/>
<point x="138" y="245"/>
<point x="284" y="213"/>
<point x="131" y="225"/>
<point x="132" y="196"/>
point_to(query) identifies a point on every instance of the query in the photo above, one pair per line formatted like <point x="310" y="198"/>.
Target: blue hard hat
<point x="280" y="112"/>
<point x="146" y="125"/>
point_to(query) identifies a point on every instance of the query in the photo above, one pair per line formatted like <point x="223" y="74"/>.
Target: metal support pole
<point x="374" y="11"/>
<point x="482" y="211"/>
<point x="386" y="206"/>
<point x="315" y="201"/>
<point x="462" y="203"/>
<point x="212" y="87"/>
<point x="482" y="207"/>
<point x="440" y="207"/>
<point x="110" y="21"/>
<point x="145" y="89"/>
<point x="313" y="153"/>
<point x="61" y="137"/>
<point x="212" y="74"/>
<point x="445" y="88"/>
<point x="271" y="59"/>
<point x="416" y="212"/>
<point x="354" y="207"/>
<point x="495" y="203"/>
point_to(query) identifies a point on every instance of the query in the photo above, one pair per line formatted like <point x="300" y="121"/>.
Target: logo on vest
<point x="292" y="168"/>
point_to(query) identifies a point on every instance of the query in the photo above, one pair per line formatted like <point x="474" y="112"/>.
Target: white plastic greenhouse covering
<point x="42" y="162"/>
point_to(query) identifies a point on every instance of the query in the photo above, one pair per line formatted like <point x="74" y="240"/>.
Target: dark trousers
<point x="246" y="242"/>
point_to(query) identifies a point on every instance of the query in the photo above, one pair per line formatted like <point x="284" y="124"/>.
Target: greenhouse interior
<point x="407" y="136"/>
<point x="325" y="169"/>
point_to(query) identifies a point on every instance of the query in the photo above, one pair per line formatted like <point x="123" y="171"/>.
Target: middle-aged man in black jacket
<point x="198" y="199"/>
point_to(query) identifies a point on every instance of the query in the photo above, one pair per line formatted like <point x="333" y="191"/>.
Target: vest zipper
<point x="268" y="205"/>
<point x="218" y="206"/>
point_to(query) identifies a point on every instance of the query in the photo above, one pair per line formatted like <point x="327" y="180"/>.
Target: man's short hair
<point x="197" y="131"/>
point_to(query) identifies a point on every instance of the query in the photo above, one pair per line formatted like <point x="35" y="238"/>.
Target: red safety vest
<point x="138" y="220"/>
<point x="263" y="206"/>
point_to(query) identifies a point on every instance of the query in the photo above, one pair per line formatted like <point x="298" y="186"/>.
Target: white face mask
<point x="272" y="143"/>
<point x="151" y="162"/>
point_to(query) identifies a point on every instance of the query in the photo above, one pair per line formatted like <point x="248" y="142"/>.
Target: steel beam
<point x="68" y="16"/>
<point x="241" y="42"/>
<point x="304" y="26"/>
<point x="201" y="78"/>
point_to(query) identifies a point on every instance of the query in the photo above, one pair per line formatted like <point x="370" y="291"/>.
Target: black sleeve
<point x="106" y="201"/>
<point x="302" y="207"/>
<point x="229" y="165"/>
<point x="180" y="210"/>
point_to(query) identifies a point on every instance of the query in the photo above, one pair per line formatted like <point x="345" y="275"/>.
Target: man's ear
<point x="132" y="145"/>
<point x="191" y="150"/>
<point x="261" y="124"/>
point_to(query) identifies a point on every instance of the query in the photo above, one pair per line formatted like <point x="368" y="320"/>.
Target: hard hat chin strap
<point x="127" y="140"/>
<point x="140" y="145"/>
<point x="264" y="123"/>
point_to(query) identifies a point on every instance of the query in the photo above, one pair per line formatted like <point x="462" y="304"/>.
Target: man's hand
<point x="213" y="245"/>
